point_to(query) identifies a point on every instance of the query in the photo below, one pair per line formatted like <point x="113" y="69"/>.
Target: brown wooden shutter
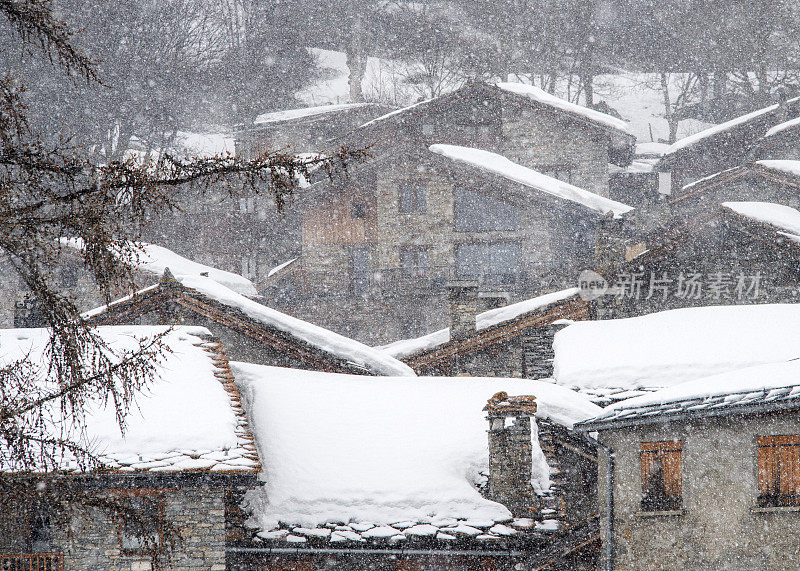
<point x="661" y="474"/>
<point x="779" y="469"/>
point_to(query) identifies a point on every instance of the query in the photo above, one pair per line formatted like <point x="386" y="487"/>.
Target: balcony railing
<point x="32" y="562"/>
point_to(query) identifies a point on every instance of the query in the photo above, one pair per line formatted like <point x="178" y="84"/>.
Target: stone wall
<point x="720" y="526"/>
<point x="93" y="542"/>
<point x="541" y="139"/>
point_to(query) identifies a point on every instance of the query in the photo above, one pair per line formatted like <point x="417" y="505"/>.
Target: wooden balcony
<point x="32" y="562"/>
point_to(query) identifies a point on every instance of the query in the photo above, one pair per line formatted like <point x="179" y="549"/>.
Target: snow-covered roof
<point x="501" y="166"/>
<point x="185" y="419"/>
<point x="774" y="385"/>
<point x="342" y="347"/>
<point x="670" y="347"/>
<point x="304" y="112"/>
<point x="784" y="166"/>
<point x="280" y="267"/>
<point x="154" y="259"/>
<point x="784" y="218"/>
<point x="484" y="320"/>
<point x="722" y="127"/>
<point x="541" y="96"/>
<point x="781" y="127"/>
<point x="371" y="452"/>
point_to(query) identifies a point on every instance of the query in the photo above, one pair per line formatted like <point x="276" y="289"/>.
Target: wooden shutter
<point x="661" y="475"/>
<point x="779" y="469"/>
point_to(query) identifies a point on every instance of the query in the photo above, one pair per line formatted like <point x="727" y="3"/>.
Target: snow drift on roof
<point x="500" y="165"/>
<point x="721" y="128"/>
<point x="155" y="259"/>
<point x="382" y="450"/>
<point x="541" y="96"/>
<point x="780" y="127"/>
<point x="304" y="112"/>
<point x="182" y="420"/>
<point x="343" y="347"/>
<point x="484" y="320"/>
<point x="749" y="383"/>
<point x="789" y="167"/>
<point x="784" y="217"/>
<point x="663" y="349"/>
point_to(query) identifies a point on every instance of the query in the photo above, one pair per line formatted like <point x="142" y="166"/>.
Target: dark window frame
<point x="662" y="475"/>
<point x="412" y="196"/>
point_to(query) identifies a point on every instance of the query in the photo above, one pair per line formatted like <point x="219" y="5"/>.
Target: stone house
<point x="500" y="184"/>
<point x="250" y="331"/>
<point x="726" y="239"/>
<point x="509" y="341"/>
<point x="703" y="475"/>
<point x="724" y="146"/>
<point x="190" y="467"/>
<point x="378" y="477"/>
<point x="70" y="276"/>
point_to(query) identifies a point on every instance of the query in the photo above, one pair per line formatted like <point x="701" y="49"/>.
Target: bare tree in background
<point x="52" y="189"/>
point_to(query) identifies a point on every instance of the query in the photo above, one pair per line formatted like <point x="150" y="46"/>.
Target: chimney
<point x="463" y="298"/>
<point x="493" y="299"/>
<point x="610" y="243"/>
<point x="511" y="453"/>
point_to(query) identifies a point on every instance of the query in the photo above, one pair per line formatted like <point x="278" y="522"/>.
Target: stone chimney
<point x="610" y="243"/>
<point x="493" y="299"/>
<point x="511" y="453"/>
<point x="463" y="298"/>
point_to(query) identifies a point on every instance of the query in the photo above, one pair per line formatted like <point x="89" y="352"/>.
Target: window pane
<point x="406" y="197"/>
<point x="475" y="212"/>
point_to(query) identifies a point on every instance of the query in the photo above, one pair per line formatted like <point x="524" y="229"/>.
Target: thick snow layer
<point x="790" y="167"/>
<point x="380" y="450"/>
<point x="667" y="348"/>
<point x="343" y="347"/>
<point x="500" y="165"/>
<point x="483" y="320"/>
<point x="304" y="112"/>
<point x="781" y="127"/>
<point x="155" y="259"/>
<point x="721" y="128"/>
<point x="184" y="410"/>
<point x="784" y="217"/>
<point x="747" y="380"/>
<point x="541" y="96"/>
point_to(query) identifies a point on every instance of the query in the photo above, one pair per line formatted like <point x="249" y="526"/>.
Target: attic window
<point x="661" y="476"/>
<point x="778" y="470"/>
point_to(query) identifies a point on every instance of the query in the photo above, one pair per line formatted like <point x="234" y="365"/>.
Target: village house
<point x="726" y="145"/>
<point x="369" y="473"/>
<point x="730" y="238"/>
<point x="250" y="331"/>
<point x="186" y="457"/>
<point x="18" y="308"/>
<point x="703" y="475"/>
<point x="502" y="184"/>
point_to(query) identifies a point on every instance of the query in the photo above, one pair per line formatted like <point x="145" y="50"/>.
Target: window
<point x="412" y="196"/>
<point x="661" y="476"/>
<point x="69" y="276"/>
<point x="414" y="261"/>
<point x="359" y="270"/>
<point x="475" y="212"/>
<point x="495" y="263"/>
<point x="358" y="211"/>
<point x="778" y="470"/>
<point x="139" y="534"/>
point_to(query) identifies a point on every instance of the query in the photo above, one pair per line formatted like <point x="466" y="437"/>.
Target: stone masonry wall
<point x="539" y="139"/>
<point x="199" y="513"/>
<point x="719" y="525"/>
